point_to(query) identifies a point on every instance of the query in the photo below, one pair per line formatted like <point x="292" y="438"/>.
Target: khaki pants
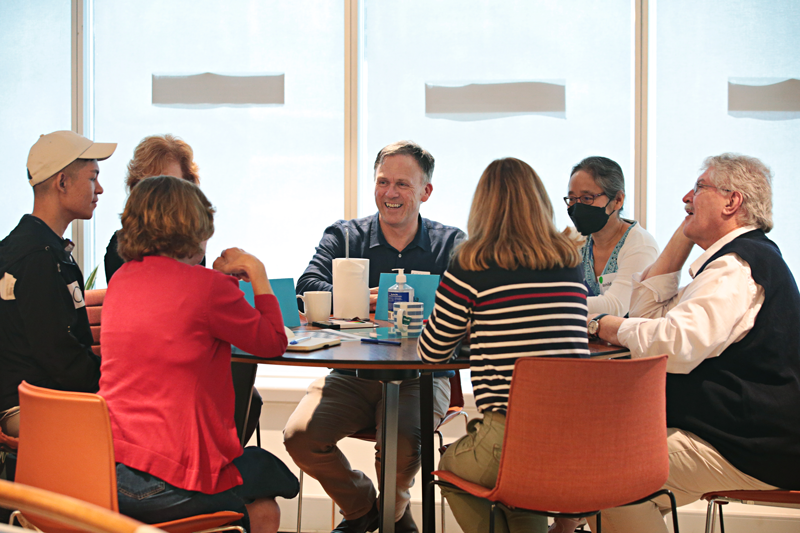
<point x="9" y="422"/>
<point x="476" y="458"/>
<point x="340" y="405"/>
<point x="695" y="468"/>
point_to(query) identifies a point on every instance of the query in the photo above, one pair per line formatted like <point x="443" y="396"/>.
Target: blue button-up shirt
<point x="430" y="251"/>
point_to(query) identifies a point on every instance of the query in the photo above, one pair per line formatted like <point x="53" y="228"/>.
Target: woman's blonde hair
<point x="152" y="155"/>
<point x="167" y="216"/>
<point x="511" y="223"/>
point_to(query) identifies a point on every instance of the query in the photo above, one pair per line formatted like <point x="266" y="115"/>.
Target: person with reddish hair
<point x="156" y="155"/>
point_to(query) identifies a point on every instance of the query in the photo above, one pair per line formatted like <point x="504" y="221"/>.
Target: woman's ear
<point x="619" y="201"/>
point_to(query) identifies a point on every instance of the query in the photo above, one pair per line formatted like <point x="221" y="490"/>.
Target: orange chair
<point x="572" y="451"/>
<point x="455" y="410"/>
<point x="94" y="308"/>
<point x="774" y="498"/>
<point x="65" y="446"/>
<point x="68" y="512"/>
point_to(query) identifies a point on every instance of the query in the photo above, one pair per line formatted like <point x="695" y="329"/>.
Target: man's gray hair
<point x="423" y="157"/>
<point x="750" y="177"/>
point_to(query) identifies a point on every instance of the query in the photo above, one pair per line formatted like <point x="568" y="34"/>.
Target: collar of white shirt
<point x="714" y="248"/>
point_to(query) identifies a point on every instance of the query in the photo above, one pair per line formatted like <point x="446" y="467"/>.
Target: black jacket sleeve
<point x="49" y="319"/>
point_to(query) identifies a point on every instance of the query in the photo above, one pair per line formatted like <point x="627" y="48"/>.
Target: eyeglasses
<point x="587" y="199"/>
<point x="700" y="186"/>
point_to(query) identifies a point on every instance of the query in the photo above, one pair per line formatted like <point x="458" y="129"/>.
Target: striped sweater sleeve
<point x="448" y="322"/>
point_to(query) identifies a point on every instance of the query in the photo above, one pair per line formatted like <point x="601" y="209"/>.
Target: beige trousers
<point x="695" y="468"/>
<point x="476" y="458"/>
<point x="9" y="422"/>
<point x="339" y="405"/>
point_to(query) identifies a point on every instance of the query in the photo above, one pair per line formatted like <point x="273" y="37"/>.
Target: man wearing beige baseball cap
<point x="45" y="337"/>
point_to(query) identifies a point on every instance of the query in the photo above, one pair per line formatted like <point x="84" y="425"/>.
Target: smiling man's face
<point x="400" y="188"/>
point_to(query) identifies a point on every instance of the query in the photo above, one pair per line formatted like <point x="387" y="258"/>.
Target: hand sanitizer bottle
<point x="399" y="292"/>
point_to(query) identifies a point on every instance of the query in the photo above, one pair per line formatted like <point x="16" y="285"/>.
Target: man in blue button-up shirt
<point x="341" y="403"/>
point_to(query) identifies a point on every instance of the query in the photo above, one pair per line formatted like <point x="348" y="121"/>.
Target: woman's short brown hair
<point x="511" y="223"/>
<point x="166" y="216"/>
<point x="154" y="153"/>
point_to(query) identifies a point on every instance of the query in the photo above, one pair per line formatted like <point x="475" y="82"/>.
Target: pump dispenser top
<point x="399" y="292"/>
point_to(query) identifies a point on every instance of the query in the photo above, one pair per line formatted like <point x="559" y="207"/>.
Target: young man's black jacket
<point x="45" y="338"/>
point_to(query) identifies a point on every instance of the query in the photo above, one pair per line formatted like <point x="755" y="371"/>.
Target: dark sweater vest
<point x="746" y="402"/>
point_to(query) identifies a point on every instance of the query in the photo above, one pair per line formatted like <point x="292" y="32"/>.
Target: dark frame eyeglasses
<point x="586" y="199"/>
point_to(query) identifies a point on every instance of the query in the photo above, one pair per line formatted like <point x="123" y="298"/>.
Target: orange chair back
<point x="65" y="446"/>
<point x="583" y="435"/>
<point x="94" y="308"/>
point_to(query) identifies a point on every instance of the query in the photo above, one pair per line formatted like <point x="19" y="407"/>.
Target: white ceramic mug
<point x="317" y="305"/>
<point x="408" y="317"/>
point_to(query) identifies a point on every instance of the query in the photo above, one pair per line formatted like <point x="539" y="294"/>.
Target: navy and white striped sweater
<point x="512" y="314"/>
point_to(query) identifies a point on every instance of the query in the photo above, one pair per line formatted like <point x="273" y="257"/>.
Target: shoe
<point x="367" y="523"/>
<point x="406" y="523"/>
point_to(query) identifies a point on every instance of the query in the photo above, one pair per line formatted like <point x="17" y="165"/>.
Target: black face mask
<point x="588" y="219"/>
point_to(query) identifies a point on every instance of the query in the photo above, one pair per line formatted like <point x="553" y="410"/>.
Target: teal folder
<point x="424" y="291"/>
<point x="284" y="291"/>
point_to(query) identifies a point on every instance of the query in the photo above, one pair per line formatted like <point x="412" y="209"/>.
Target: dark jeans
<point x="151" y="500"/>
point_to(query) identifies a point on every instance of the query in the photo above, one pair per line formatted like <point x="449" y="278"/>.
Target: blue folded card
<point x="284" y="291"/>
<point x="425" y="286"/>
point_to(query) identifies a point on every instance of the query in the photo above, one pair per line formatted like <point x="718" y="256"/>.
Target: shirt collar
<point x="64" y="246"/>
<point x="714" y="248"/>
<point x="421" y="239"/>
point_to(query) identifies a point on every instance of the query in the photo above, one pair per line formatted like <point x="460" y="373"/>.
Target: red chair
<point x="573" y="451"/>
<point x="774" y="498"/>
<point x="455" y="410"/>
<point x="66" y="447"/>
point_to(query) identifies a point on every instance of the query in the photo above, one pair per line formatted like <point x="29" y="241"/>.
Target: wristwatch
<point x="594" y="325"/>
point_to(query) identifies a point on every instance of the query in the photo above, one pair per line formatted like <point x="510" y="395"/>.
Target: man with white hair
<point x="45" y="337"/>
<point x="733" y="340"/>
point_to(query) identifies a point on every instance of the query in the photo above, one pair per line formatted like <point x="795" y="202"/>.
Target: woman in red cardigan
<point x="168" y="326"/>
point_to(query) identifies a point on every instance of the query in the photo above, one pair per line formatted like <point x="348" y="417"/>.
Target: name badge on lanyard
<point x="605" y="281"/>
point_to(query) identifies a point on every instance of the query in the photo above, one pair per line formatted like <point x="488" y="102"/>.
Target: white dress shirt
<point x="698" y="321"/>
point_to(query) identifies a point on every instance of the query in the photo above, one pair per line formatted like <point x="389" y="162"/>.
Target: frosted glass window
<point x="573" y="58"/>
<point x="701" y="53"/>
<point x="273" y="168"/>
<point x="35" y="84"/>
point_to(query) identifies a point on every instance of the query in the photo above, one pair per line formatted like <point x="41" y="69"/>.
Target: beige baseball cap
<point x="54" y="151"/>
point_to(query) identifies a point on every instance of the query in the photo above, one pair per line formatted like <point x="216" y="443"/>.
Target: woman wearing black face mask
<point x="615" y="248"/>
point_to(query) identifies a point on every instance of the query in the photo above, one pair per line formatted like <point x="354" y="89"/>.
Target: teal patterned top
<point x="587" y="261"/>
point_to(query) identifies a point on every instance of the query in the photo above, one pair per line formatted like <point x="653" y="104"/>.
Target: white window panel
<point x="273" y="170"/>
<point x="583" y="49"/>
<point x="697" y="51"/>
<point x="35" y="84"/>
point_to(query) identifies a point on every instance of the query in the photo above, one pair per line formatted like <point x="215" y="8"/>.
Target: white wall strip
<point x="764" y="98"/>
<point x="212" y="90"/>
<point x="481" y="101"/>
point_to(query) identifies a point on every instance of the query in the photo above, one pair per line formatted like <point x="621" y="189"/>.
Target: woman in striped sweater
<point x="516" y="290"/>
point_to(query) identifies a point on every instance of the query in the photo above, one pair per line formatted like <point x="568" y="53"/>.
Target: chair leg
<point x="710" y="516"/>
<point x="299" y="499"/>
<point x="258" y="433"/>
<point x="599" y="523"/>
<point x="443" y="511"/>
<point x="492" y="510"/>
<point x="674" y="508"/>
<point x="721" y="520"/>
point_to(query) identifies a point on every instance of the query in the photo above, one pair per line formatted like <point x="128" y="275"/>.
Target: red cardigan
<point x="166" y="370"/>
